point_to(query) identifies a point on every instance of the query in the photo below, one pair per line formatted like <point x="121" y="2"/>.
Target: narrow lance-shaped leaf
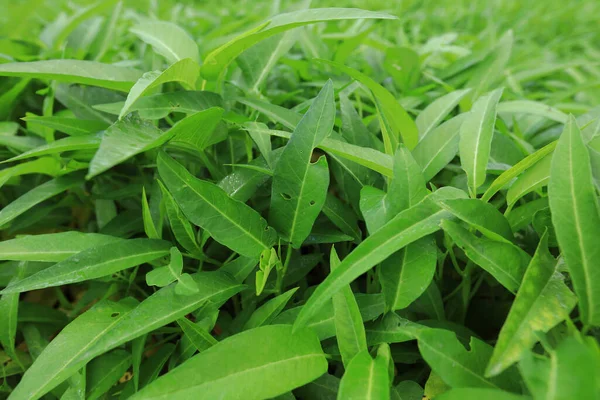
<point x="51" y="246"/>
<point x="476" y="139"/>
<point x="266" y="313"/>
<point x="457" y="366"/>
<point x="367" y="378"/>
<point x="123" y="140"/>
<point x="370" y="158"/>
<point x="168" y="40"/>
<point x="435" y="113"/>
<point x="439" y="147"/>
<point x="70" y="126"/>
<point x="184" y="71"/>
<point x="394" y="120"/>
<point x="75" y="71"/>
<point x="37" y="195"/>
<point x="109" y="325"/>
<point x="87" y="142"/>
<point x="481" y="216"/>
<point x="506" y="262"/>
<point x="260" y="363"/>
<point x="517" y="169"/>
<point x="182" y="229"/>
<point x="349" y="329"/>
<point x="299" y="186"/>
<point x="407" y="227"/>
<point x="94" y="263"/>
<point x="571" y="372"/>
<point x="576" y="218"/>
<point x="405" y="275"/>
<point x="220" y="58"/>
<point x="543" y="301"/>
<point x="228" y="221"/>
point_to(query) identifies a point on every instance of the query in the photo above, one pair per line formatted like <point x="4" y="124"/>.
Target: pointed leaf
<point x="75" y="71"/>
<point x="299" y="186"/>
<point x="228" y="221"/>
<point x="543" y="301"/>
<point x="407" y="227"/>
<point x="168" y="40"/>
<point x="367" y="378"/>
<point x="476" y="139"/>
<point x="94" y="263"/>
<point x="256" y="364"/>
<point x="576" y="218"/>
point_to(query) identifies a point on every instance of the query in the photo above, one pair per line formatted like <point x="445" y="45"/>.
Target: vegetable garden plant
<point x="277" y="199"/>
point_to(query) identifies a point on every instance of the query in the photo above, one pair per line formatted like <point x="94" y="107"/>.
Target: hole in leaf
<point x="115" y="314"/>
<point x="286" y="196"/>
<point x="312" y="203"/>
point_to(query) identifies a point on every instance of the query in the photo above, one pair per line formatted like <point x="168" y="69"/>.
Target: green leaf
<point x="256" y="364"/>
<point x="38" y="195"/>
<point x="9" y="307"/>
<point x="407" y="227"/>
<point x="164" y="276"/>
<point x="433" y="114"/>
<point x="182" y="229"/>
<point x="109" y="325"/>
<point x="197" y="130"/>
<point x="257" y="62"/>
<point x="200" y="338"/>
<point x="266" y="313"/>
<point x="160" y="105"/>
<point x="534" y="178"/>
<point x="232" y="223"/>
<point x="103" y="372"/>
<point x="149" y="226"/>
<point x="168" y="40"/>
<point x="52" y="247"/>
<point x="508" y="175"/>
<point x="87" y="142"/>
<point x="220" y="58"/>
<point x="439" y="147"/>
<point x="349" y="329"/>
<point x="370" y="158"/>
<point x="186" y="286"/>
<point x="491" y="69"/>
<point x="75" y="71"/>
<point x="476" y="139"/>
<point x="184" y="71"/>
<point x="403" y="64"/>
<point x="394" y="120"/>
<point x="481" y="216"/>
<point x="576" y="218"/>
<point x="70" y="126"/>
<point x="457" y="366"/>
<point x="479" y="393"/>
<point x="532" y="108"/>
<point x="342" y="216"/>
<point x="367" y="378"/>
<point x="570" y="373"/>
<point x="45" y="165"/>
<point x="94" y="262"/>
<point x="55" y="365"/>
<point x="504" y="261"/>
<point x="405" y="275"/>
<point x="123" y="140"/>
<point x="371" y="306"/>
<point x="300" y="186"/>
<point x="542" y="302"/>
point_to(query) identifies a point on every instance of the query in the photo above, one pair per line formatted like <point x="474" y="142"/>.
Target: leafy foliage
<point x="351" y="200"/>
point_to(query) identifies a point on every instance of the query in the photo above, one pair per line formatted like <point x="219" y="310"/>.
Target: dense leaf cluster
<point x="216" y="201"/>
